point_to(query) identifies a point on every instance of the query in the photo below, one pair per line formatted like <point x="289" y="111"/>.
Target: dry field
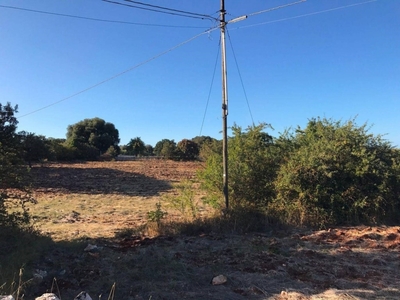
<point x="82" y="204"/>
<point x="96" y="199"/>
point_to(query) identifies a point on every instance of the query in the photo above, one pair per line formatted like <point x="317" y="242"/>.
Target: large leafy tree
<point x="187" y="150"/>
<point x="92" y="137"/>
<point x="136" y="147"/>
<point x="165" y="148"/>
<point x="14" y="191"/>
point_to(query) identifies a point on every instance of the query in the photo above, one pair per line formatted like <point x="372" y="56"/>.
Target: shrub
<point x="252" y="168"/>
<point x="338" y="173"/>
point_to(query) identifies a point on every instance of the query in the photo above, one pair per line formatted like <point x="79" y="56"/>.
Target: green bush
<point x="337" y="173"/>
<point x="252" y="167"/>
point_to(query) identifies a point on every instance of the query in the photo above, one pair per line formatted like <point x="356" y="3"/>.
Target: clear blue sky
<point x="327" y="58"/>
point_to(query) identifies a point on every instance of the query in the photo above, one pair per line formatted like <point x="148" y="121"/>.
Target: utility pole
<point x="224" y="106"/>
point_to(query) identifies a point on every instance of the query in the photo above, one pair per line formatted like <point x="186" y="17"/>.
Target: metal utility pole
<point x="224" y="106"/>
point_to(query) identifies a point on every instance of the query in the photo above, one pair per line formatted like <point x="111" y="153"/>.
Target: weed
<point x="157" y="215"/>
<point x="184" y="201"/>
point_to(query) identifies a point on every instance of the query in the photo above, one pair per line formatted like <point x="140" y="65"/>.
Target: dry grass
<point x="96" y="199"/>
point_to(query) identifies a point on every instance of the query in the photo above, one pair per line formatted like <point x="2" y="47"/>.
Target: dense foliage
<point x="252" y="167"/>
<point x="338" y="173"/>
<point x="165" y="148"/>
<point x="92" y="137"/>
<point x="136" y="147"/>
<point x="187" y="150"/>
<point x="328" y="173"/>
<point x="36" y="147"/>
<point x="14" y="187"/>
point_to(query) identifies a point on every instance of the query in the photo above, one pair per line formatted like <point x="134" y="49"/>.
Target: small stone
<point x="47" y="296"/>
<point x="83" y="296"/>
<point x="8" y="297"/>
<point x="220" y="279"/>
<point x="90" y="247"/>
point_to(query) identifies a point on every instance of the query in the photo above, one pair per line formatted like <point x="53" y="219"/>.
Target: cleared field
<point x="81" y="205"/>
<point x="96" y="199"/>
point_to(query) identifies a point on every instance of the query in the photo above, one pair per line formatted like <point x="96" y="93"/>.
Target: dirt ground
<point x="338" y="263"/>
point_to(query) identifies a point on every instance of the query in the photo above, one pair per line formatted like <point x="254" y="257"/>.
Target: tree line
<point x="328" y="173"/>
<point x="96" y="139"/>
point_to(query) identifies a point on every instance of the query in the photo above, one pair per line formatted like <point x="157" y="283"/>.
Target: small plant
<point x="157" y="215"/>
<point x="184" y="202"/>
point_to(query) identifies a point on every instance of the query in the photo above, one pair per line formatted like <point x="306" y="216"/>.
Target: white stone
<point x="220" y="279"/>
<point x="47" y="296"/>
<point x="83" y="296"/>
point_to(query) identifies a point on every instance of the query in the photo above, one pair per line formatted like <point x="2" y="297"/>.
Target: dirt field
<point x="82" y="204"/>
<point x="104" y="196"/>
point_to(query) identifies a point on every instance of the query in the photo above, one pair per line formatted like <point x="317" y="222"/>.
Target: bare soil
<point x="338" y="263"/>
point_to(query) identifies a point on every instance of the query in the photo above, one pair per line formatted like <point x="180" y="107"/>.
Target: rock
<point x="220" y="279"/>
<point x="47" y="296"/>
<point x="90" y="247"/>
<point x="83" y="296"/>
<point x="9" y="297"/>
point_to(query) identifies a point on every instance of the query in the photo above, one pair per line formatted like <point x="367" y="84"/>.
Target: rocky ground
<point x="339" y="263"/>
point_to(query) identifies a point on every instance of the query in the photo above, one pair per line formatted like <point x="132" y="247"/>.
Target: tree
<point x="35" y="147"/>
<point x="136" y="147"/>
<point x="149" y="150"/>
<point x="165" y="148"/>
<point x="59" y="150"/>
<point x="92" y="137"/>
<point x="14" y="182"/>
<point x="187" y="150"/>
<point x="203" y="139"/>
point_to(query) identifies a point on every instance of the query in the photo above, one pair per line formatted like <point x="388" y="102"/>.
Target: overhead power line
<point x="163" y="10"/>
<point x="123" y="72"/>
<point x="211" y="85"/>
<point x="95" y="19"/>
<point x="241" y="79"/>
<point x="306" y="15"/>
<point x="171" y="9"/>
<point x="275" y="8"/>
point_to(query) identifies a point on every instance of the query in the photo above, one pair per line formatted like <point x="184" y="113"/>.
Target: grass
<point x="136" y="189"/>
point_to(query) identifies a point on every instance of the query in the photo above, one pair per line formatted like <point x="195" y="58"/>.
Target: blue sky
<point x="337" y="59"/>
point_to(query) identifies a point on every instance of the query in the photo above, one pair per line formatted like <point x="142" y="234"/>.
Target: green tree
<point x="91" y="137"/>
<point x="165" y="148"/>
<point x="149" y="150"/>
<point x="187" y="150"/>
<point x="36" y="147"/>
<point x="14" y="180"/>
<point x="338" y="173"/>
<point x="59" y="150"/>
<point x="136" y="147"/>
<point x="207" y="145"/>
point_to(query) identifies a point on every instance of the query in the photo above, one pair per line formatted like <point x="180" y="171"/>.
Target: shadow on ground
<point x="96" y="181"/>
<point x="277" y="264"/>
